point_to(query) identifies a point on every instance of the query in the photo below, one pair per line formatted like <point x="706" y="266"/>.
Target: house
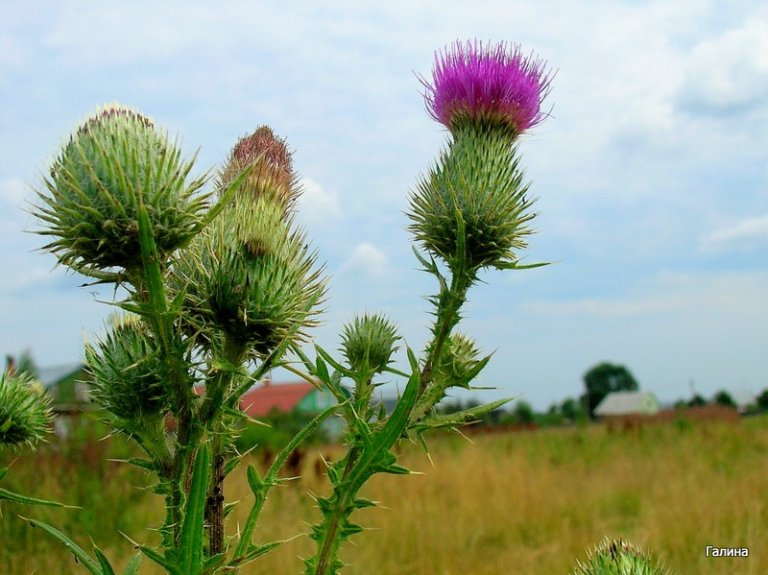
<point x="301" y="397"/>
<point x="66" y="386"/>
<point x="627" y="403"/>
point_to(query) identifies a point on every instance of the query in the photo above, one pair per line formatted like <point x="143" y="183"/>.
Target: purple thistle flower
<point x="492" y="83"/>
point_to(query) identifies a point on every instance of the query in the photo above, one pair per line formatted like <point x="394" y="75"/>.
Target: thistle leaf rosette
<point x="91" y="204"/>
<point x="492" y="83"/>
<point x="25" y="415"/>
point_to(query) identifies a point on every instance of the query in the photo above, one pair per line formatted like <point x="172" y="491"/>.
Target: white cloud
<point x="730" y="71"/>
<point x="367" y="260"/>
<point x="316" y="204"/>
<point x="745" y="234"/>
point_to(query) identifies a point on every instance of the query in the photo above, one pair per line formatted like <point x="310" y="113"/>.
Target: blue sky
<point x="651" y="175"/>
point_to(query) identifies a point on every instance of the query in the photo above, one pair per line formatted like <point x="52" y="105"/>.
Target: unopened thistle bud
<point x="127" y="374"/>
<point x="91" y="204"/>
<point x="368" y="343"/>
<point x="619" y="557"/>
<point x="25" y="416"/>
<point x="457" y="363"/>
<point x="271" y="165"/>
<point x="249" y="276"/>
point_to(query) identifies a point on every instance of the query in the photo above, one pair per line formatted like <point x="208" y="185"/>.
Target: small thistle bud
<point x="368" y="344"/>
<point x="492" y="83"/>
<point x="458" y="362"/>
<point x="94" y="186"/>
<point x="619" y="557"/>
<point x="271" y="168"/>
<point x="25" y="416"/>
<point x="126" y="373"/>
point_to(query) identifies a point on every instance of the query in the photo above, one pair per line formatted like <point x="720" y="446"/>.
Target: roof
<point x="282" y="397"/>
<point x="50" y="376"/>
<point x="628" y="403"/>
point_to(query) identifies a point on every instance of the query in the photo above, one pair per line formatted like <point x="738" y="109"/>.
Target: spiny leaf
<point x="191" y="537"/>
<point x="86" y="560"/>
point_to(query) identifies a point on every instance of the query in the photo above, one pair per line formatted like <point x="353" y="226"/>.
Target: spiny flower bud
<point x="271" y="165"/>
<point x="471" y="209"/>
<point x="126" y="373"/>
<point x="368" y="344"/>
<point x="457" y="363"/>
<point x="619" y="557"/>
<point x="91" y="207"/>
<point x="24" y="410"/>
<point x="251" y="277"/>
<point x="492" y="83"/>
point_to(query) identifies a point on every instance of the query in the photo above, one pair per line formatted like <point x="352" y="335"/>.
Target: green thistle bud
<point x="25" y="415"/>
<point x="471" y="209"/>
<point x="368" y="344"/>
<point x="271" y="165"/>
<point x="91" y="206"/>
<point x="458" y="362"/>
<point x="249" y="276"/>
<point x="127" y="374"/>
<point x="619" y="557"/>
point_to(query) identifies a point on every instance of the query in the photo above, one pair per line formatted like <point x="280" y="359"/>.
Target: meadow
<point x="530" y="502"/>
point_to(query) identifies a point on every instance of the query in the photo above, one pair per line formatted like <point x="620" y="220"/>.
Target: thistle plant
<point x="619" y="557"/>
<point x="223" y="287"/>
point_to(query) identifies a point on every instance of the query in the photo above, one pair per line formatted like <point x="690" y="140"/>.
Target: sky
<point x="651" y="173"/>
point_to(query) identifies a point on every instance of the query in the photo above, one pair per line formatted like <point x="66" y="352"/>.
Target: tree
<point x="571" y="410"/>
<point x="697" y="401"/>
<point x="762" y="400"/>
<point x="603" y="379"/>
<point x="523" y="413"/>
<point x="723" y="398"/>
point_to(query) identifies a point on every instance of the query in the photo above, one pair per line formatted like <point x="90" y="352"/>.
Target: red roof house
<point x="285" y="397"/>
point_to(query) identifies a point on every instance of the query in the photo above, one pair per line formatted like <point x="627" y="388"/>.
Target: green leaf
<point x="383" y="440"/>
<point x="255" y="482"/>
<point x="171" y="566"/>
<point x="191" y="536"/>
<point x="106" y="568"/>
<point x="85" y="559"/>
<point x="16" y="498"/>
<point x="132" y="567"/>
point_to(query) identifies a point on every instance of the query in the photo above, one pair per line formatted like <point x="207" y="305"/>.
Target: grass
<point x="527" y="503"/>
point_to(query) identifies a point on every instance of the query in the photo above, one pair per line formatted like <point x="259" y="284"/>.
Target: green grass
<point x="526" y="503"/>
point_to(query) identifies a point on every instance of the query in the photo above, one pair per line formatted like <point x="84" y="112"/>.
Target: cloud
<point x="367" y="260"/>
<point x="316" y="204"/>
<point x="729" y="73"/>
<point x="13" y="191"/>
<point x="748" y="233"/>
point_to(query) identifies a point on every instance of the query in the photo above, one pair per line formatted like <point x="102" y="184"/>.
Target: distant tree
<point x="571" y="409"/>
<point x="603" y="379"/>
<point x="697" y="401"/>
<point x="523" y="413"/>
<point x="762" y="400"/>
<point x="723" y="398"/>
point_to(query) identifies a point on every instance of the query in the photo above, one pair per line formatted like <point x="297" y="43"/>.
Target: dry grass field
<point x="524" y="503"/>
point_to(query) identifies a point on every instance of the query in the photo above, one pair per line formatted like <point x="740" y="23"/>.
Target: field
<point x="526" y="503"/>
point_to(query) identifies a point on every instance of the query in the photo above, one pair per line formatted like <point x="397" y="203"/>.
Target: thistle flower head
<point x="458" y="362"/>
<point x="493" y="83"/>
<point x="250" y="277"/>
<point x="368" y="343"/>
<point x="24" y="411"/>
<point x="271" y="165"/>
<point x="91" y="205"/>
<point x="126" y="372"/>
<point x="619" y="557"/>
